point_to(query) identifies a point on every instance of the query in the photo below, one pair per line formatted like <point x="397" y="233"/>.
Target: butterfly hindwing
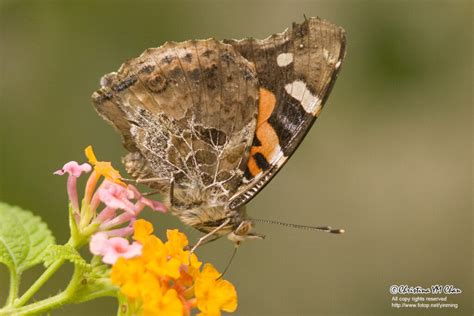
<point x="296" y="71"/>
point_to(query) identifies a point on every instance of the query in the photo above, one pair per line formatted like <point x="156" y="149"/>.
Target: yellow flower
<point x="175" y="246"/>
<point x="167" y="280"/>
<point x="157" y="261"/>
<point x="154" y="302"/>
<point x="128" y="274"/>
<point x="213" y="294"/>
<point x="163" y="259"/>
<point x="194" y="265"/>
<point x="142" y="230"/>
<point x="103" y="168"/>
<point x="168" y="304"/>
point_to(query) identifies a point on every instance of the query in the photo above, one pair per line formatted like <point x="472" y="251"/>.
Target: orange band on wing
<point x="265" y="133"/>
<point x="266" y="104"/>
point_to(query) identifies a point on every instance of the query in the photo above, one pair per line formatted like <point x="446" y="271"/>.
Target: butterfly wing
<point x="296" y="70"/>
<point x="188" y="111"/>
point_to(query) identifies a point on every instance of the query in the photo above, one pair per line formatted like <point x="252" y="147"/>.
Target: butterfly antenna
<point x="230" y="261"/>
<point x="326" y="229"/>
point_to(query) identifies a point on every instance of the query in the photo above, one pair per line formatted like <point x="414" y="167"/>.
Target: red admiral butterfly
<point x="209" y="123"/>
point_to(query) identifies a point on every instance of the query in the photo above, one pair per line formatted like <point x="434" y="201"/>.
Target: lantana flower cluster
<point x="168" y="280"/>
<point x="154" y="277"/>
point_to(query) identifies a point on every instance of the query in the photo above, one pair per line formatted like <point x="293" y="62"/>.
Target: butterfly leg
<point x="171" y="184"/>
<point x="148" y="180"/>
<point x="145" y="180"/>
<point x="172" y="192"/>
<point x="212" y="232"/>
<point x="189" y="247"/>
<point x="151" y="193"/>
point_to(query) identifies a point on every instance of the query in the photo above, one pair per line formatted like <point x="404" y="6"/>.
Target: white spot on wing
<point x="298" y="90"/>
<point x="284" y="59"/>
<point x="281" y="161"/>
<point x="330" y="59"/>
<point x="276" y="155"/>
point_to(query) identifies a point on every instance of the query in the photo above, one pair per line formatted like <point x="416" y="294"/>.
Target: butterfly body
<point x="214" y="121"/>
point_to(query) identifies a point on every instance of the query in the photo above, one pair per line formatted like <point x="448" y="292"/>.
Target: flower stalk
<point x="14" y="287"/>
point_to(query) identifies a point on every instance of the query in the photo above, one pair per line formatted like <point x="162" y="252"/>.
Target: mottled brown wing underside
<point x="187" y="112"/>
<point x="298" y="67"/>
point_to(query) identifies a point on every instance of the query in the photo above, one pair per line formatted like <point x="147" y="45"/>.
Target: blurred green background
<point x="389" y="160"/>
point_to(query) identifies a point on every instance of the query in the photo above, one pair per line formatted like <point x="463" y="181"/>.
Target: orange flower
<point x="103" y="168"/>
<point x="143" y="230"/>
<point x="157" y="259"/>
<point x="175" y="246"/>
<point x="168" y="304"/>
<point x="129" y="275"/>
<point x="214" y="294"/>
<point x="166" y="279"/>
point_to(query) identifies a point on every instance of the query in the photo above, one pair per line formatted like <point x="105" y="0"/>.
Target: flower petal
<point x="154" y="205"/>
<point x="169" y="304"/>
<point x="90" y="154"/>
<point x="129" y="275"/>
<point x="214" y="294"/>
<point x="142" y="201"/>
<point x="73" y="169"/>
<point x="175" y="245"/>
<point x="113" y="248"/>
<point x="103" y="168"/>
<point x="115" y="196"/>
<point x="143" y="229"/>
<point x="99" y="244"/>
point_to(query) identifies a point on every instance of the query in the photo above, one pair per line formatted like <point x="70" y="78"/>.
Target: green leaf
<point x="66" y="252"/>
<point x="23" y="238"/>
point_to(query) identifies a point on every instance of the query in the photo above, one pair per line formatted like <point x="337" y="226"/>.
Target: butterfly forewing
<point x="296" y="70"/>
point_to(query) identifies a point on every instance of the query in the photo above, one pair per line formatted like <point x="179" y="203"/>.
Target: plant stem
<point x="43" y="305"/>
<point x="14" y="287"/>
<point x="39" y="283"/>
<point x="124" y="306"/>
<point x="69" y="295"/>
<point x="47" y="274"/>
<point x="98" y="294"/>
<point x="53" y="301"/>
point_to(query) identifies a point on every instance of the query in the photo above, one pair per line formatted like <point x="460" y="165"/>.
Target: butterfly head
<point x="243" y="232"/>
<point x="236" y="225"/>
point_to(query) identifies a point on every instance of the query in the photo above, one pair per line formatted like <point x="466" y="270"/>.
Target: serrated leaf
<point x="66" y="252"/>
<point x="23" y="238"/>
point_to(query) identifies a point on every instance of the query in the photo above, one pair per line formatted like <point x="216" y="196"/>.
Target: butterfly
<point x="209" y="123"/>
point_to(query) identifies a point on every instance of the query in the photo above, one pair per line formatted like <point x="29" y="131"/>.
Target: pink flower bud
<point x="74" y="169"/>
